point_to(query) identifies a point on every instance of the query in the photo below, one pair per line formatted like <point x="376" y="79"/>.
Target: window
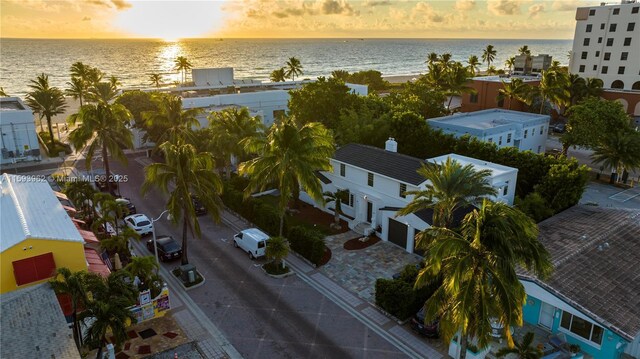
<point x="627" y="41"/>
<point x="500" y="141"/>
<point x="631" y="26"/>
<point x="346" y="198"/>
<point x="343" y="169"/>
<point x="586" y="42"/>
<point x="589" y="27"/>
<point x="490" y="140"/>
<point x="539" y="148"/>
<point x="599" y="40"/>
<point x="607" y="56"/>
<point x="597" y="53"/>
<point x="616" y="11"/>
<point x="541" y="129"/>
<point x="601" y="26"/>
<point x="526" y="132"/>
<point x="592" y="12"/>
<point x="621" y="70"/>
<point x="613" y="27"/>
<point x="581" y="68"/>
<point x="584" y="55"/>
<point x="370" y="179"/>
<point x="403" y="190"/>
<point x="609" y="42"/>
<point x="624" y="56"/>
<point x="505" y="189"/>
<point x="595" y="67"/>
<point x="473" y="98"/>
<point x="352" y="200"/>
<point x="605" y="69"/>
<point x="635" y="10"/>
<point x="509" y="138"/>
<point x="581" y="327"/>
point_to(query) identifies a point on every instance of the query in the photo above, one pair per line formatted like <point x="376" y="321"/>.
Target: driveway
<point x="262" y="317"/>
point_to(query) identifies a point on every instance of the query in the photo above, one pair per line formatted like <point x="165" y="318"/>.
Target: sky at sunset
<point x="493" y="19"/>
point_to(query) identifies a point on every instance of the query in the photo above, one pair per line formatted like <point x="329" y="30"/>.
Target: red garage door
<point x="33" y="269"/>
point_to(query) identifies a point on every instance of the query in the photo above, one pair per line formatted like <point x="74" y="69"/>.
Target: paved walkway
<point x="358" y="270"/>
<point x="400" y="336"/>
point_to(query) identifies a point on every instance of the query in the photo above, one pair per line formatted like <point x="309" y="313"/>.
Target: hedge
<point x="399" y="298"/>
<point x="308" y="242"/>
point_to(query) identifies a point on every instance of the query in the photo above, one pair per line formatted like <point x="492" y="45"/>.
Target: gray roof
<point x="33" y="325"/>
<point x="391" y="164"/>
<point x="595" y="252"/>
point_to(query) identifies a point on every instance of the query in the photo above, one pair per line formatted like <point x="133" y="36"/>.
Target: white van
<point x="252" y="241"/>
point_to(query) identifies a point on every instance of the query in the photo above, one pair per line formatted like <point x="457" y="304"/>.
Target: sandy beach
<point x="399" y="79"/>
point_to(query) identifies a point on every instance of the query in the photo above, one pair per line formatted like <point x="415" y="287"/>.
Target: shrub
<point x="396" y="297"/>
<point x="265" y="217"/>
<point x="534" y="206"/>
<point x="59" y="146"/>
<point x="308" y="242"/>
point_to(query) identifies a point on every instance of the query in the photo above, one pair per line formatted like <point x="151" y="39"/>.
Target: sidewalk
<point x="365" y="312"/>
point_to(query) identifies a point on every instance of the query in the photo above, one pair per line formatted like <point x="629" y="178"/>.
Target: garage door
<point x="397" y="233"/>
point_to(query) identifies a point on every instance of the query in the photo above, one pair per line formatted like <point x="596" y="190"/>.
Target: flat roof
<point x="487" y="119"/>
<point x="33" y="325"/>
<point x="12" y="104"/>
<point x="506" y="79"/>
<point x="30" y="209"/>
<point x="595" y="254"/>
<point x="478" y="165"/>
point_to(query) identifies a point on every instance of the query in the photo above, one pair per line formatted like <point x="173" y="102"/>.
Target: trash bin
<point x="188" y="273"/>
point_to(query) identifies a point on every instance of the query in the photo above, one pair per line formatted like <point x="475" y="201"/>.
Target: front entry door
<point x="546" y="315"/>
<point x="369" y="211"/>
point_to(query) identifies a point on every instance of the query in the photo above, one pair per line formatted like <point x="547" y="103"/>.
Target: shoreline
<point x="400" y="79"/>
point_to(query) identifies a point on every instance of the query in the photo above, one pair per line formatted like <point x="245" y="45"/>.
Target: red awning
<point x="88" y="236"/>
<point x="61" y="195"/>
<point x="95" y="263"/>
<point x="69" y="209"/>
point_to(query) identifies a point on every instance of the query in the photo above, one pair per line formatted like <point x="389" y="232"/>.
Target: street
<point x="261" y="316"/>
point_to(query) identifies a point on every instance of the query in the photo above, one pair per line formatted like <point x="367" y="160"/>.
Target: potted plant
<point x="574" y="349"/>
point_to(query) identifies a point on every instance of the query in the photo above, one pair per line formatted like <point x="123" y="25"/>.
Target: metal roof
<point x="33" y="325"/>
<point x="30" y="209"/>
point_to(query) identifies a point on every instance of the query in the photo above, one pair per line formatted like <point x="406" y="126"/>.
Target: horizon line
<point x="273" y="38"/>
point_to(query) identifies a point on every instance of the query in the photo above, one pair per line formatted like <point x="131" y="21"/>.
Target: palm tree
<point x="142" y="267"/>
<point x="619" y="151"/>
<point x="593" y="87"/>
<point x="432" y="58"/>
<point x="488" y="55"/>
<point x="289" y="158"/>
<point x="46" y="101"/>
<point x="72" y="284"/>
<point x="445" y="59"/>
<point x="457" y="82"/>
<point x="340" y="75"/>
<point x="477" y="266"/>
<point x="108" y="316"/>
<point x="77" y="89"/>
<point x="188" y="173"/>
<point x="114" y="81"/>
<point x="278" y="75"/>
<point x="277" y="249"/>
<point x="336" y="197"/>
<point x="102" y="92"/>
<point x="156" y="80"/>
<point x="80" y="70"/>
<point x="294" y="68"/>
<point x="523" y="350"/>
<point x="524" y="50"/>
<point x="230" y="129"/>
<point x="94" y="76"/>
<point x="105" y="127"/>
<point x="183" y="65"/>
<point x="436" y="76"/>
<point x="170" y="122"/>
<point x="474" y="64"/>
<point x="2" y="93"/>
<point x="551" y="88"/>
<point x="510" y="63"/>
<point x="450" y="186"/>
<point x="119" y="243"/>
<point x="81" y="194"/>
<point x="514" y="89"/>
<point x="491" y="70"/>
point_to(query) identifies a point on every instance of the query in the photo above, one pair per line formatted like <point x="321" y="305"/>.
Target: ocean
<point x="132" y="61"/>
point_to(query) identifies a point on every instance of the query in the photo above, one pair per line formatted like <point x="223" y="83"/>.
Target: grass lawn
<point x="308" y="216"/>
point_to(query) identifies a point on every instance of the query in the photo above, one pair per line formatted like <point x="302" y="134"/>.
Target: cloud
<point x="565" y="5"/>
<point x="337" y="7"/>
<point x="86" y="18"/>
<point x="117" y="4"/>
<point x="504" y="7"/>
<point x="374" y="3"/>
<point x="465" y="5"/>
<point x="397" y="14"/>
<point x="535" y="10"/>
<point x="423" y="10"/>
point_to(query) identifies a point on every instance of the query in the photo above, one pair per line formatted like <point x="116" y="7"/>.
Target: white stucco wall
<point x="18" y="132"/>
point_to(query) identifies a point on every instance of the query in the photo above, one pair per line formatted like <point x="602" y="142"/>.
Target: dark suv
<point x="197" y="205"/>
<point x="428" y="330"/>
<point x="168" y="248"/>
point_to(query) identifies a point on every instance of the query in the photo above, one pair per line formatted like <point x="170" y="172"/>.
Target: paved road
<point x="262" y="317"/>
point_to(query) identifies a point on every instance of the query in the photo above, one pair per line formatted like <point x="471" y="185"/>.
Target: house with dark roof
<point x="593" y="295"/>
<point x="377" y="181"/>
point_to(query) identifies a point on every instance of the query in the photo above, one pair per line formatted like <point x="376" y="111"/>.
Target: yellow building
<point x="36" y="234"/>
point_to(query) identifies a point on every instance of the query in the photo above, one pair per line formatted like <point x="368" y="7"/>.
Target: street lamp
<point x="153" y="232"/>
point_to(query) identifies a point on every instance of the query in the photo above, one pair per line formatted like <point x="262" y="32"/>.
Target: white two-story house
<point x="377" y="181"/>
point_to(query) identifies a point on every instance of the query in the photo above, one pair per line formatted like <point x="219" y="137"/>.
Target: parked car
<point x="168" y="248"/>
<point x="252" y="241"/>
<point x="430" y="330"/>
<point x="197" y="205"/>
<point x="559" y="128"/>
<point x="130" y="206"/>
<point x="139" y="223"/>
